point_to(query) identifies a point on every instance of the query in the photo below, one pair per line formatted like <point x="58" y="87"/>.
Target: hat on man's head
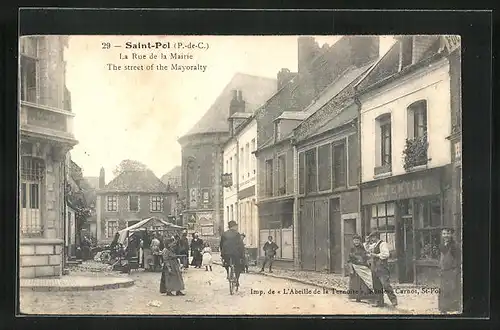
<point x="356" y="237"/>
<point x="374" y="234"/>
<point x="231" y="224"/>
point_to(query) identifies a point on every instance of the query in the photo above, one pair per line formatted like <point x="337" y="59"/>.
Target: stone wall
<point x="40" y="258"/>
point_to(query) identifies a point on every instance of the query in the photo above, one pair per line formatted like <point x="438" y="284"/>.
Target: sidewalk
<point x="411" y="300"/>
<point x="88" y="276"/>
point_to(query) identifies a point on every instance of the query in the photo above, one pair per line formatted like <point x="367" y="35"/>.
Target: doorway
<point x="335" y="236"/>
<point x="406" y="244"/>
<point x="349" y="232"/>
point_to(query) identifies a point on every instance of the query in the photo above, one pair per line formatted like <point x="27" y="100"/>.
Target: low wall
<point x="40" y="257"/>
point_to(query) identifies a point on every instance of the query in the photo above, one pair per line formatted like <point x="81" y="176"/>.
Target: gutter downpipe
<point x="296" y="247"/>
<point x="360" y="160"/>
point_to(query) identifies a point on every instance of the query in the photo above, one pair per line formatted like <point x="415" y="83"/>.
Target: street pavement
<point x="207" y="293"/>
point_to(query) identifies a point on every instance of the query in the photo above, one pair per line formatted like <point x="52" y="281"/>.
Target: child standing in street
<point x="207" y="257"/>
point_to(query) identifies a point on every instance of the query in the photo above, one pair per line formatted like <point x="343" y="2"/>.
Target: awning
<point x="143" y="225"/>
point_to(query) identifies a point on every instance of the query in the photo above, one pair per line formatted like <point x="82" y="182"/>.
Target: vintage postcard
<point x="244" y="175"/>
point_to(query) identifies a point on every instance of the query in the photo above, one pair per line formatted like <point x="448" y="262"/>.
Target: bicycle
<point x="233" y="281"/>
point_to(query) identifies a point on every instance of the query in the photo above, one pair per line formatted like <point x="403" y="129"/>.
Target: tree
<point x="129" y="165"/>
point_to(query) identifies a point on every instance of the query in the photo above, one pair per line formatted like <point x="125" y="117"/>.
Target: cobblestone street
<point x="206" y="293"/>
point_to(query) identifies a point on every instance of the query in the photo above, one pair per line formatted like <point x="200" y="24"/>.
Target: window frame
<point x="385" y="231"/>
<point x="311" y="171"/>
<point x="269" y="183"/>
<point x="339" y="145"/>
<point x="153" y="201"/>
<point x="108" y="203"/>
<point x="35" y="60"/>
<point x="328" y="167"/>
<point x="282" y="174"/>
<point x="138" y="202"/>
<point x="115" y="221"/>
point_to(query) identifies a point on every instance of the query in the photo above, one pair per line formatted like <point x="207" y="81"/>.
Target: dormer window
<point x="277" y="130"/>
<point x="406" y="52"/>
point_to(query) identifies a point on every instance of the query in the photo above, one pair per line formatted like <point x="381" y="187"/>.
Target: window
<point x="156" y="204"/>
<point x="417" y="132"/>
<point x="32" y="173"/>
<point x="242" y="162"/>
<point x="133" y="203"/>
<point x="227" y="214"/>
<point x="324" y="167"/>
<point x="385" y="133"/>
<point x="230" y="169"/>
<point x="111" y="228"/>
<point x="247" y="160"/>
<point x="382" y="220"/>
<point x="339" y="165"/>
<point x="269" y="177"/>
<point x="302" y="173"/>
<point x="311" y="171"/>
<point x="277" y="130"/>
<point x="383" y="145"/>
<point x="428" y="221"/>
<point x="282" y="175"/>
<point x="253" y="156"/>
<point x="29" y="69"/>
<point x="232" y="214"/>
<point x="112" y="203"/>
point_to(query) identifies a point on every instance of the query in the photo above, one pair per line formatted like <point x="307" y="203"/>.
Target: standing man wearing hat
<point x="380" y="270"/>
<point x="232" y="247"/>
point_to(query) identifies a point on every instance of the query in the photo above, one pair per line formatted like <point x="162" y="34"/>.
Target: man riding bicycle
<point x="232" y="248"/>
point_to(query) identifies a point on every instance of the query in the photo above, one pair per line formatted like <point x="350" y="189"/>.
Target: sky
<point x="140" y="114"/>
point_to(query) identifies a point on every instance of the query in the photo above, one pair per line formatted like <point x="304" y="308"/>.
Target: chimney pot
<point x="240" y="95"/>
<point x="235" y="94"/>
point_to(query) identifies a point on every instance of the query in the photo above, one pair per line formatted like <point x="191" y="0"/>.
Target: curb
<point x="99" y="287"/>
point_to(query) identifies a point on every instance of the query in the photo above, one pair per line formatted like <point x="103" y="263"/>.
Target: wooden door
<point x="335" y="236"/>
<point x="405" y="256"/>
<point x="307" y="246"/>
<point x="321" y="235"/>
<point x="349" y="232"/>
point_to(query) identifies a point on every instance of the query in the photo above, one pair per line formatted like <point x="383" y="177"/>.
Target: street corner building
<point x="299" y="204"/>
<point x="46" y="136"/>
<point x="411" y="182"/>
<point x="205" y="150"/>
<point x="132" y="196"/>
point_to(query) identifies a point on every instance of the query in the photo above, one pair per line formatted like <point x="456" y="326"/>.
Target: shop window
<point x="324" y="167"/>
<point x="269" y="177"/>
<point x="282" y="175"/>
<point x="32" y="173"/>
<point x="311" y="171"/>
<point x="382" y="220"/>
<point x="339" y="165"/>
<point x="428" y="219"/>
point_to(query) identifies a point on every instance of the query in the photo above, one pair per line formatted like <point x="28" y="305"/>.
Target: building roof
<point x="345" y="116"/>
<point x="136" y="182"/>
<point x="337" y="86"/>
<point x="255" y="91"/>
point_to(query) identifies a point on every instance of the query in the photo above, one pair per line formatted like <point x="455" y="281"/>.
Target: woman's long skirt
<point x="197" y="258"/>
<point x="171" y="281"/>
<point x="360" y="284"/>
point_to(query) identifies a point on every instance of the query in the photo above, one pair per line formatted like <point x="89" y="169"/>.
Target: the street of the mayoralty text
<point x="207" y="293"/>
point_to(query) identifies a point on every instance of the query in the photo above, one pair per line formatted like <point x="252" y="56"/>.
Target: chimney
<point x="102" y="182"/>
<point x="233" y="106"/>
<point x="241" y="102"/>
<point x="283" y="77"/>
<point x="240" y="95"/>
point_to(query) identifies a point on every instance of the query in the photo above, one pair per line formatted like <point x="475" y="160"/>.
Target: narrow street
<point x="206" y="293"/>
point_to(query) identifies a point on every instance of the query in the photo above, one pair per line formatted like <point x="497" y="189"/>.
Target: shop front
<point x="409" y="212"/>
<point x="276" y="220"/>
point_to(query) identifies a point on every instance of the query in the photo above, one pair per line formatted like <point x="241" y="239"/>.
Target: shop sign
<point x="403" y="189"/>
<point x="227" y="180"/>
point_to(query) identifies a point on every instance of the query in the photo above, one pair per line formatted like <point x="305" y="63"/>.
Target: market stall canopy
<point x="145" y="224"/>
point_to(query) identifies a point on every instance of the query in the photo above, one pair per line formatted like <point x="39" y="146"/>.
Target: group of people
<point x="370" y="277"/>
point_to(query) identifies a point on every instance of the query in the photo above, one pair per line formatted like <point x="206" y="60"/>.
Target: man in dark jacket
<point x="232" y="247"/>
<point x="183" y="249"/>
<point x="269" y="252"/>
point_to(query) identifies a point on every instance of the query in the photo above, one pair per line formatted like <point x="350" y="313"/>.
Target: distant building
<point x="129" y="198"/>
<point x="173" y="178"/>
<point x="202" y="154"/>
<point x="46" y="135"/>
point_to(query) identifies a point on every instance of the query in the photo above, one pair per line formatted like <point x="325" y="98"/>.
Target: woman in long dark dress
<point x="360" y="281"/>
<point x="197" y="247"/>
<point x="171" y="276"/>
